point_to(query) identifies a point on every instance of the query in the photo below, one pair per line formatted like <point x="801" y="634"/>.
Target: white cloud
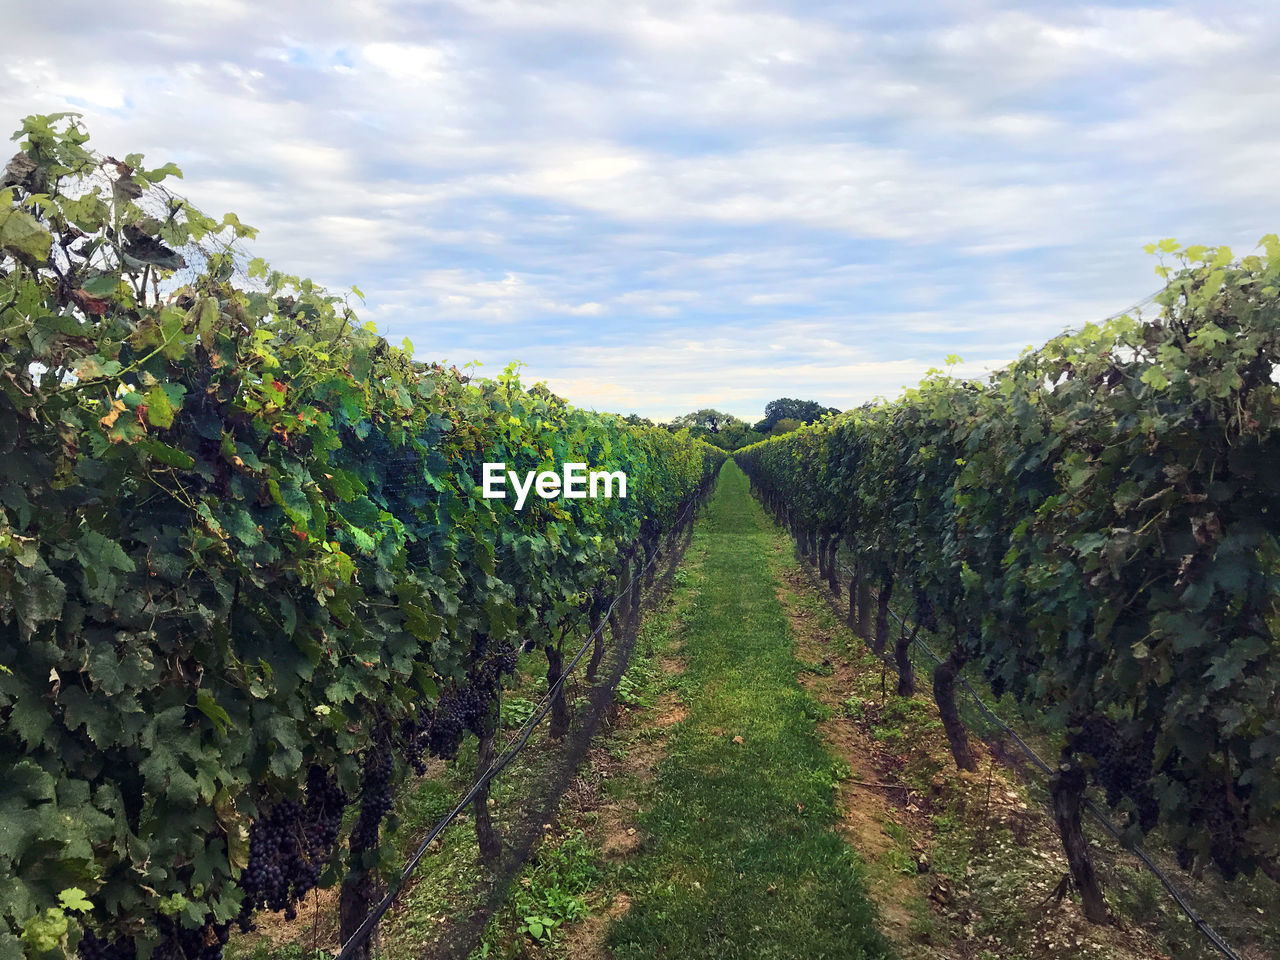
<point x="661" y="203"/>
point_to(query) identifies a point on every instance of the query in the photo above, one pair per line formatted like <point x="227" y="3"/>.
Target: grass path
<point x="744" y="860"/>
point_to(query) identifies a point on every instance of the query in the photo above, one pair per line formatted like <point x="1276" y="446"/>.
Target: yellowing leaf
<point x="109" y="421"/>
<point x="73" y="898"/>
<point x="159" y="409"/>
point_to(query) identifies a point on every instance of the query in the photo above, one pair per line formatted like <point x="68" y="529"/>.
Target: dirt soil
<point x="941" y="844"/>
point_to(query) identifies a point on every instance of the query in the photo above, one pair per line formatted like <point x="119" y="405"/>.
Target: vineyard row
<point x="249" y="580"/>
<point x="1095" y="527"/>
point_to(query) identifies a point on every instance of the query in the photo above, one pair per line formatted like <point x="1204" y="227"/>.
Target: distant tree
<point x="638" y="421"/>
<point x="785" y="425"/>
<point x="806" y="411"/>
<point x="711" y="420"/>
<point x="734" y="436"/>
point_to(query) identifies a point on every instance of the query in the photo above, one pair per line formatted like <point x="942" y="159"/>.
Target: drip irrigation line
<point x="1136" y="849"/>
<point x="366" y="928"/>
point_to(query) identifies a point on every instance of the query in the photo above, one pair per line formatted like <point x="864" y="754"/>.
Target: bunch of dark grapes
<point x="93" y="947"/>
<point x="1226" y="827"/>
<point x="460" y="707"/>
<point x="191" y="943"/>
<point x="413" y="744"/>
<point x="323" y="814"/>
<point x="437" y="731"/>
<point x="288" y="846"/>
<point x="443" y="726"/>
<point x="996" y="680"/>
<point x="275" y="858"/>
<point x="375" y="797"/>
<point x="176" y="942"/>
<point x="1125" y="761"/>
<point x="1186" y="857"/>
<point x="1219" y="808"/>
<point x="1001" y="683"/>
<point x="924" y="611"/>
<point x="1226" y="824"/>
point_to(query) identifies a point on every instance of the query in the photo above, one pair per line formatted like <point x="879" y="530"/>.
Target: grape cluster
<point x="927" y="616"/>
<point x="375" y="797"/>
<point x="1185" y="855"/>
<point x="176" y="942"/>
<point x="997" y="683"/>
<point x="191" y="943"/>
<point x="460" y="707"/>
<point x="325" y="803"/>
<point x="414" y="746"/>
<point x="1225" y="824"/>
<point x="93" y="947"/>
<point x="1125" y="764"/>
<point x="288" y="846"/>
<point x="1126" y="768"/>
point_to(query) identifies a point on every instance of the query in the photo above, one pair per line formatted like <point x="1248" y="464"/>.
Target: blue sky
<point x="670" y="205"/>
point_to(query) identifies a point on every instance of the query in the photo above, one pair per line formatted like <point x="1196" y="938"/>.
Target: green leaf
<point x="289" y="495"/>
<point x="39" y="597"/>
<point x="98" y="552"/>
<point x="1154" y="377"/>
<point x="73" y="898"/>
<point x="240" y="229"/>
<point x="424" y="625"/>
<point x="1209" y="335"/>
<point x="166" y="454"/>
<point x="104" y="669"/>
<point x="206" y="312"/>
<point x="159" y="410"/>
<point x="209" y="707"/>
<point x="168" y="170"/>
<point x="240" y="524"/>
<point x="20" y="232"/>
<point x="172" y="904"/>
<point x="364" y="543"/>
<point x="101" y="286"/>
<point x="29" y="718"/>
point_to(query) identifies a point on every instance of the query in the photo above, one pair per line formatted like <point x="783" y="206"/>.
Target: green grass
<point x="552" y="891"/>
<point x="743" y="861"/>
<point x="565" y="876"/>
<point x="290" y="951"/>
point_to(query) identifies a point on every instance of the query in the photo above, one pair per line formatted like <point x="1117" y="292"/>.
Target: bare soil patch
<point x="961" y="865"/>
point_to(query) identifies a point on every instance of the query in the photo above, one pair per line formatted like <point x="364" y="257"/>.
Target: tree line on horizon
<point x="730" y="433"/>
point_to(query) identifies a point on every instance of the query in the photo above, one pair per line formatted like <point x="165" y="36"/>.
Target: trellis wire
<point x="1136" y="849"/>
<point x="370" y="922"/>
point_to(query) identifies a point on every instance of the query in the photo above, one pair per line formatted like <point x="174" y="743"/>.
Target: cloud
<point x="661" y="205"/>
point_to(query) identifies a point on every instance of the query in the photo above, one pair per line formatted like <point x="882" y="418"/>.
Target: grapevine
<point x="1097" y="529"/>
<point x="242" y="541"/>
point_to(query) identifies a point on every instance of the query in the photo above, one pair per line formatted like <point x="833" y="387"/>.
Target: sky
<point x="664" y="206"/>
